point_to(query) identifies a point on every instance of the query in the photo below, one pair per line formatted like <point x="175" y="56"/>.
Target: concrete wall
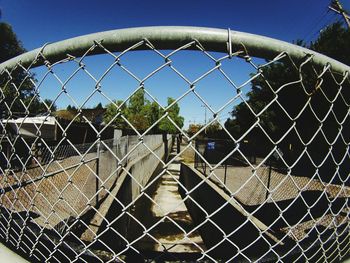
<point x="144" y="157"/>
<point x="139" y="167"/>
<point x="147" y="162"/>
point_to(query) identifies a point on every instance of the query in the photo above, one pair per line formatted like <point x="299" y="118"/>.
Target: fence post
<point x="166" y="150"/>
<point x="195" y="155"/>
<point x="97" y="167"/>
<point x="178" y="143"/>
<point x="127" y="149"/>
<point x="268" y="179"/>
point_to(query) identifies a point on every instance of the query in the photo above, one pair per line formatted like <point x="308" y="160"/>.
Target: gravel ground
<point x="56" y="198"/>
<point x="250" y="187"/>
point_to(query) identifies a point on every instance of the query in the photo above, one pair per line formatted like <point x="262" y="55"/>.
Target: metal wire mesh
<point x="272" y="187"/>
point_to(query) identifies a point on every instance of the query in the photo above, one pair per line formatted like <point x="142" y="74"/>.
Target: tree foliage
<point x="334" y="42"/>
<point x="193" y="129"/>
<point x="173" y="113"/>
<point x="213" y="129"/>
<point x="10" y="46"/>
<point x="137" y="111"/>
<point x="111" y="114"/>
<point x="18" y="89"/>
<point x="142" y="114"/>
<point x="300" y="93"/>
<point x="98" y="106"/>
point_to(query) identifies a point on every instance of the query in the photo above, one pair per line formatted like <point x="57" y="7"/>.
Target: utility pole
<point x="205" y="113"/>
<point x="337" y="7"/>
<point x="205" y="118"/>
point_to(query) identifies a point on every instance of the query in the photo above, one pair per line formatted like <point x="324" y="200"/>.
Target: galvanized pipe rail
<point x="172" y="37"/>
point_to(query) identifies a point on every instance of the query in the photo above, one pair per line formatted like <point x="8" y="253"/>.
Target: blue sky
<point x="37" y="22"/>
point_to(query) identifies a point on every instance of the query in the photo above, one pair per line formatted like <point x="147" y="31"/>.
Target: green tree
<point x="38" y="107"/>
<point x="213" y="129"/>
<point x="304" y="101"/>
<point x="142" y="114"/>
<point x="153" y="114"/>
<point x="137" y="111"/>
<point x="193" y="129"/>
<point x="293" y="96"/>
<point x="99" y="106"/>
<point x="112" y="110"/>
<point x="71" y="108"/>
<point x="10" y="46"/>
<point x="137" y="102"/>
<point x="50" y="104"/>
<point x="334" y="42"/>
<point x="18" y="90"/>
<point x="165" y="124"/>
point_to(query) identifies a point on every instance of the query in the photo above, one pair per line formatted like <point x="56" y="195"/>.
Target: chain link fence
<point x="265" y="178"/>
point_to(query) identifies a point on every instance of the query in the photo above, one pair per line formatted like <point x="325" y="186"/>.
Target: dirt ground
<point x="54" y="199"/>
<point x="188" y="154"/>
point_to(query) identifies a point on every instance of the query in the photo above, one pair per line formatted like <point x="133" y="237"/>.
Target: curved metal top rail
<point x="172" y="37"/>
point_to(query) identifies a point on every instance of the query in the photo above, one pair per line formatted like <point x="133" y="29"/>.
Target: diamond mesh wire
<point x="273" y="185"/>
